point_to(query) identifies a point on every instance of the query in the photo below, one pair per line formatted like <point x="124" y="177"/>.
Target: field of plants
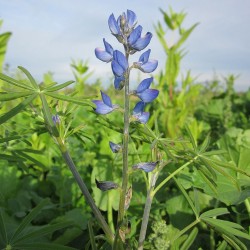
<point x="165" y="166"/>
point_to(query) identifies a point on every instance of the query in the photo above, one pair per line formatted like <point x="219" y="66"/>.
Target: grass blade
<point x="3" y="232"/>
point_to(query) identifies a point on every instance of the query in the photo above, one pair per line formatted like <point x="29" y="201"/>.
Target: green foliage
<point x="198" y="133"/>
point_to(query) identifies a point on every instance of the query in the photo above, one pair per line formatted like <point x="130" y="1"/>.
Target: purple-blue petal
<point x="131" y="18"/>
<point x="103" y="55"/>
<point x="146" y="166"/>
<point x="108" y="47"/>
<point x="117" y="69"/>
<point x="114" y="147"/>
<point x="102" y="108"/>
<point x="148" y="95"/>
<point x="121" y="59"/>
<point x="145" y="84"/>
<point x="113" y="26"/>
<point x="143" y="117"/>
<point x="139" y="107"/>
<point x="144" y="56"/>
<point x="135" y="35"/>
<point x="106" y="100"/>
<point x="142" y="42"/>
<point x="119" y="82"/>
<point x="149" y="67"/>
<point x="106" y="185"/>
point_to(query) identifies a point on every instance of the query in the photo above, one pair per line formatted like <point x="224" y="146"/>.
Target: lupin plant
<point x="129" y="34"/>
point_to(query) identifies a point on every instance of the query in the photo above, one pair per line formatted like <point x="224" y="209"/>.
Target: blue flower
<point x="56" y="119"/>
<point x="105" y="55"/>
<point x="115" y="147"/>
<point x="119" y="64"/>
<point x="105" y="106"/>
<point x="146" y="166"/>
<point x="136" y="42"/>
<point x="144" y="93"/>
<point x="145" y="65"/>
<point x="138" y="113"/>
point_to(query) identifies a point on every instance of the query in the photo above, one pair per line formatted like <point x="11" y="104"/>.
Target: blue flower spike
<point x="144" y="64"/>
<point x="138" y="113"/>
<point x="146" y="166"/>
<point x="115" y="147"/>
<point x="105" y="55"/>
<point x="119" y="64"/>
<point x="106" y="185"/>
<point x="144" y="93"/>
<point x="105" y="106"/>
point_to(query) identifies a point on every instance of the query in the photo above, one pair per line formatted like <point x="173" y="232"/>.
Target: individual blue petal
<point x="117" y="68"/>
<point x="145" y="84"/>
<point x="119" y="82"/>
<point x="131" y="19"/>
<point x="106" y="185"/>
<point x="146" y="166"/>
<point x="149" y="67"/>
<point x="113" y="25"/>
<point x="106" y="100"/>
<point x="143" y="117"/>
<point x="103" y="55"/>
<point x="115" y="147"/>
<point x="135" y="35"/>
<point x="108" y="47"/>
<point x="142" y="42"/>
<point x="148" y="95"/>
<point x="144" y="56"/>
<point x="139" y="107"/>
<point x="121" y="59"/>
<point x="102" y="108"/>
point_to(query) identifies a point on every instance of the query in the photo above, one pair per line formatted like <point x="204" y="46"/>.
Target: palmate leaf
<point x="234" y="242"/>
<point x="30" y="77"/>
<point x="17" y="109"/>
<point x="4" y="38"/>
<point x="190" y="239"/>
<point x="26" y="221"/>
<point x="10" y="138"/>
<point x="14" y="95"/>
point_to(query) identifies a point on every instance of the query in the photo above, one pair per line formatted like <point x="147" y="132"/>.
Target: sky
<point x="47" y="35"/>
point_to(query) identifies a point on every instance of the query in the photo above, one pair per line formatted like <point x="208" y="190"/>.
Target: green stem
<point x="121" y="212"/>
<point x="172" y="175"/>
<point x="145" y="218"/>
<point x="186" y="229"/>
<point x="110" y="213"/>
<point x="84" y="189"/>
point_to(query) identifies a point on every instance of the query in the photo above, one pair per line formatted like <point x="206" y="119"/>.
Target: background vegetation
<point x="205" y="125"/>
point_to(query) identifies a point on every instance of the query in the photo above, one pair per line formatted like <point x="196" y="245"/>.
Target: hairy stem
<point x="103" y="224"/>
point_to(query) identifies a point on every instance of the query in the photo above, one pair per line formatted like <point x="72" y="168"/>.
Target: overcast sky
<point x="47" y="35"/>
